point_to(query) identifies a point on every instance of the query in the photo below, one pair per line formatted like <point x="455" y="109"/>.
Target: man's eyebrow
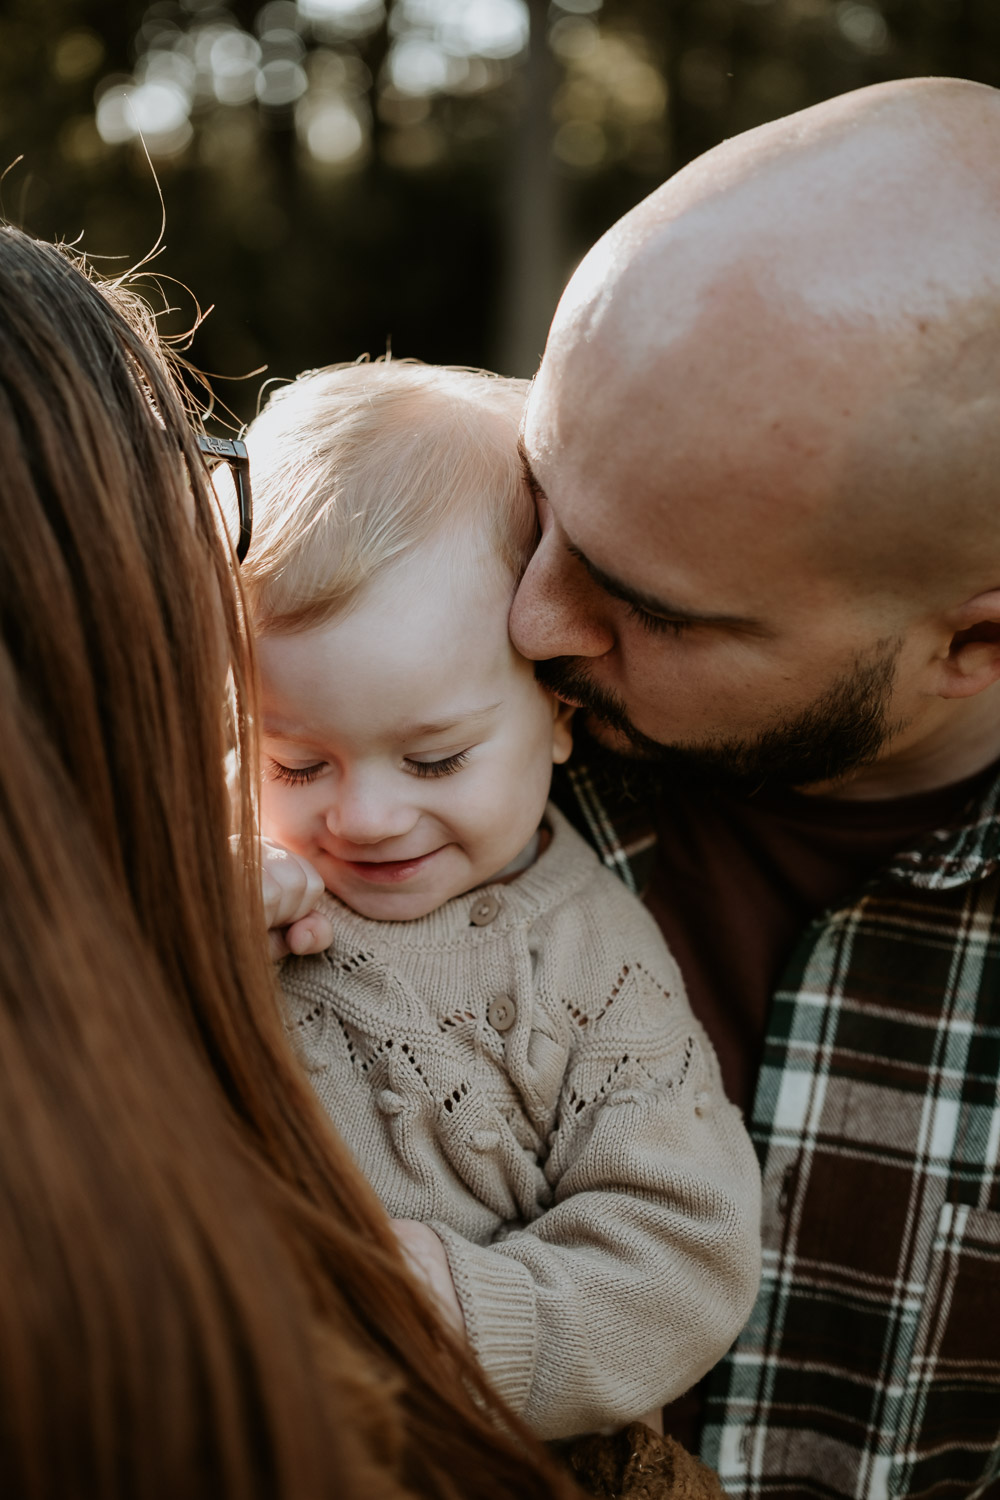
<point x="653" y="605"/>
<point x="625" y="591"/>
<point x="529" y="474"/>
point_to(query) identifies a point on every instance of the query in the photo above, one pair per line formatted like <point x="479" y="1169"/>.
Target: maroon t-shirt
<point x="736" y="881"/>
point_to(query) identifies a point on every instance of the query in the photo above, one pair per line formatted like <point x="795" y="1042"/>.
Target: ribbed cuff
<point x="497" y="1295"/>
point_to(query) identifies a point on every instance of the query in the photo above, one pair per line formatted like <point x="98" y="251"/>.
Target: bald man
<point x="765" y="444"/>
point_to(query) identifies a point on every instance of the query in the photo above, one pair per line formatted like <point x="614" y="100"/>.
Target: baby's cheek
<point x="276" y="821"/>
<point x="466" y="820"/>
<point x="505" y="816"/>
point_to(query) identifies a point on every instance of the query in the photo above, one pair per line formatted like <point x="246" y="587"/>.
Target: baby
<point x="497" y="1030"/>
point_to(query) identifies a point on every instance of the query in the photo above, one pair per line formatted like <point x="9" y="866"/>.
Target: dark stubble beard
<point x="838" y="733"/>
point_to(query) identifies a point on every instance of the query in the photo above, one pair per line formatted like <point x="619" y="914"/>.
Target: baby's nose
<point x="363" y="818"/>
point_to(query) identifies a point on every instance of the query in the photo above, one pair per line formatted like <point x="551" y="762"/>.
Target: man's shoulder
<point x="966" y="850"/>
<point x="619" y="810"/>
<point x="615" y="814"/>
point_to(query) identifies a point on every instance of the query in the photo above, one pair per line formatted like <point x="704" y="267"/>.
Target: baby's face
<point x="406" y="748"/>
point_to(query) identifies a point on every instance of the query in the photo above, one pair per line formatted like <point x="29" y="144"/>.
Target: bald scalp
<point x="800" y="335"/>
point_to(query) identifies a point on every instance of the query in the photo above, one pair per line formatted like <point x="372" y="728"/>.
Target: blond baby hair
<point x="355" y="465"/>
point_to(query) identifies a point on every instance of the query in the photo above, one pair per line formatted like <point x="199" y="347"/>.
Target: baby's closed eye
<point x="444" y="767"/>
<point x="293" y="775"/>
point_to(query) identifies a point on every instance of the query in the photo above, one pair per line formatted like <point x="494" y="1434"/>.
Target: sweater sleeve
<point x="641" y="1272"/>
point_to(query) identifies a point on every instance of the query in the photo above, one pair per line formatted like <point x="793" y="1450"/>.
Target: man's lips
<point x="389" y="871"/>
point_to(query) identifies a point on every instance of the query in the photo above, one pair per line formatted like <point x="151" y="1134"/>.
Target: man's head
<point x="766" y="441"/>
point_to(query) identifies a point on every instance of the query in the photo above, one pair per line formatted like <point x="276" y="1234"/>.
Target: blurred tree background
<point x="339" y="175"/>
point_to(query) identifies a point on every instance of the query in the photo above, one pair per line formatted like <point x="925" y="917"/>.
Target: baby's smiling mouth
<point x="385" y="871"/>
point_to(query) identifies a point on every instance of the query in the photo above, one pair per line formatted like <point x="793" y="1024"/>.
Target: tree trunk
<point x="534" y="264"/>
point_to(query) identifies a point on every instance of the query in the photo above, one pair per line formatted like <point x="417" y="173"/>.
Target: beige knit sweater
<point x="521" y="1070"/>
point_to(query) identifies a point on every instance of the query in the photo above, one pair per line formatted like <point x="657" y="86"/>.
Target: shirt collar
<point x="959" y="854"/>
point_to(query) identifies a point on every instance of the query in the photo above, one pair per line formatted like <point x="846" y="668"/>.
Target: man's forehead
<point x="535" y="436"/>
<point x="743" y="453"/>
<point x="832" y="216"/>
<point x="676" y="544"/>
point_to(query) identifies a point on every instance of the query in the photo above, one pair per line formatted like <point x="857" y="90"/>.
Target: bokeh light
<point x="341" y="173"/>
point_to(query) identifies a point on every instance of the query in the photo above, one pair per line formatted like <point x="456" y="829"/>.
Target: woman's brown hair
<point x="199" y="1296"/>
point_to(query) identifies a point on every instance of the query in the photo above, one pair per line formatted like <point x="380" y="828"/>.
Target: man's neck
<point x="964" y="741"/>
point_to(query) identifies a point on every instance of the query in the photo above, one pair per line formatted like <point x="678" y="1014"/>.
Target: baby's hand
<point x="291" y="888"/>
<point x="424" y="1253"/>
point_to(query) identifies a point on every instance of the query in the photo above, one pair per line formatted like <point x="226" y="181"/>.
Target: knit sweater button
<point x="388" y="1102"/>
<point x="484" y="1140"/>
<point x="485" y="910"/>
<point x="502" y="1013"/>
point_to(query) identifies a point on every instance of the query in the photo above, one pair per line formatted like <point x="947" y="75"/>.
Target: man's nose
<point x="365" y="812"/>
<point x="557" y="610"/>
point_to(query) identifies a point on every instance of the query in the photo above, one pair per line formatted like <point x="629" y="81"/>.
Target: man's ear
<point x="972" y="661"/>
<point x="562" y="732"/>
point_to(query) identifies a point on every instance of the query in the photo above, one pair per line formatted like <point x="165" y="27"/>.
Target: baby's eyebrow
<point x="280" y="729"/>
<point x="465" y="719"/>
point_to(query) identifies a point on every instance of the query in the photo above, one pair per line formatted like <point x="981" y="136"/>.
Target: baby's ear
<point x="562" y="732"/>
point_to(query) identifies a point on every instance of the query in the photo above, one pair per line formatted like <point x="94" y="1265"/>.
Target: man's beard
<point x="838" y="733"/>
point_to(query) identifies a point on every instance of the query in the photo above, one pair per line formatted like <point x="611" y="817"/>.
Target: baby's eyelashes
<point x="293" y="775"/>
<point x="444" y="767"/>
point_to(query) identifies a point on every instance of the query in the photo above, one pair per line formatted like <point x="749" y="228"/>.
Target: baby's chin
<point x="403" y="901"/>
<point x="397" y="904"/>
<point x="392" y="906"/>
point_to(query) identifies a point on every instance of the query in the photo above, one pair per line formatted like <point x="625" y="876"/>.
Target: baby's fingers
<point x="311" y="934"/>
<point x="427" y="1259"/>
<point x="276" y="945"/>
<point x="289" y="885"/>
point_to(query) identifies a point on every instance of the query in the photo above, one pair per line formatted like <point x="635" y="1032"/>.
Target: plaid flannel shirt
<point x="870" y="1366"/>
